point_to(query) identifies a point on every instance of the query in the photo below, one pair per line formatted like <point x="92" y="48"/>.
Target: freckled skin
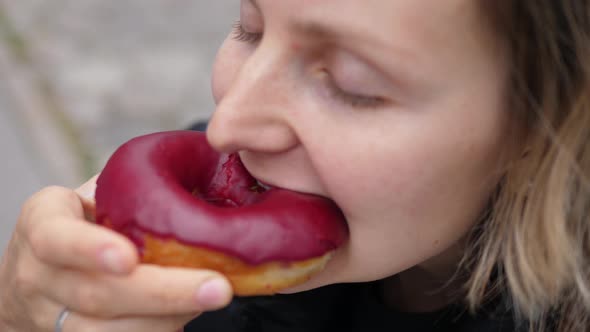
<point x="412" y="176"/>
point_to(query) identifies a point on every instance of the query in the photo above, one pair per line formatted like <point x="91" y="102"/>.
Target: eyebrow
<point x="255" y="4"/>
<point x="316" y="30"/>
<point x="319" y="31"/>
<point x="312" y="29"/>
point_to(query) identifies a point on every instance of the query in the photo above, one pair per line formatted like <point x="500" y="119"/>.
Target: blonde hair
<point x="534" y="243"/>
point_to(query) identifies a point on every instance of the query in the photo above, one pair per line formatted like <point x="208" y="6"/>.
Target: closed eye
<point x="351" y="99"/>
<point x="242" y="35"/>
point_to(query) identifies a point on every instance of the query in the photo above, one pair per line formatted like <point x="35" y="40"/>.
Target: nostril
<point x="220" y="138"/>
<point x="230" y="127"/>
<point x="252" y="133"/>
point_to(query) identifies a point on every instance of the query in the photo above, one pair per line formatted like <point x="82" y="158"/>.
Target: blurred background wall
<point x="80" y="77"/>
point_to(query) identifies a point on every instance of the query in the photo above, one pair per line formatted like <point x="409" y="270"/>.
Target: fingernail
<point x="86" y="192"/>
<point x="213" y="294"/>
<point x="88" y="189"/>
<point x="113" y="261"/>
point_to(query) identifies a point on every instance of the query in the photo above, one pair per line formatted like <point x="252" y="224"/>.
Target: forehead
<point x="415" y="22"/>
<point x="378" y="11"/>
<point x="422" y="32"/>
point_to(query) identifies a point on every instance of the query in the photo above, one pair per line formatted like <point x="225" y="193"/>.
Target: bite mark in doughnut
<point x="184" y="204"/>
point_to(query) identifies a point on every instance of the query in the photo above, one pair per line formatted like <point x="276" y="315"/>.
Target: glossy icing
<point x="174" y="185"/>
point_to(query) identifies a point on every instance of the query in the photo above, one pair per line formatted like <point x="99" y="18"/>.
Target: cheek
<point x="408" y="200"/>
<point x="414" y="187"/>
<point x="229" y="60"/>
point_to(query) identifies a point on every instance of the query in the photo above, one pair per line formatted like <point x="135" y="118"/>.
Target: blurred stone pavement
<point x="80" y="77"/>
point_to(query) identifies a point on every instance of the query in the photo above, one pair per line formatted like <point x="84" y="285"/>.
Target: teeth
<point x="263" y="185"/>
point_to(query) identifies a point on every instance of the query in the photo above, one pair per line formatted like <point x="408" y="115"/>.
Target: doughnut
<point x="184" y="204"/>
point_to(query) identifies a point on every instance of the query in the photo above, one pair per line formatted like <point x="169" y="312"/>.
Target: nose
<point x="254" y="112"/>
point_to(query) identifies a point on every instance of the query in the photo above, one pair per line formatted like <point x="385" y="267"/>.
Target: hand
<point x="57" y="259"/>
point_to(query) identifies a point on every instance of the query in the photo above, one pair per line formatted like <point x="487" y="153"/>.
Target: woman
<point x="452" y="134"/>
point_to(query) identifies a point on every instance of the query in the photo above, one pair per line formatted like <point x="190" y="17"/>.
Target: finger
<point x="49" y="202"/>
<point x="149" y="290"/>
<point x="57" y="234"/>
<point x="86" y="193"/>
<point x="75" y="322"/>
<point x="75" y="244"/>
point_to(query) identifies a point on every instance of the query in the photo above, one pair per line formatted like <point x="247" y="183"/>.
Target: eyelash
<point x="354" y="100"/>
<point x="347" y="98"/>
<point x="242" y="35"/>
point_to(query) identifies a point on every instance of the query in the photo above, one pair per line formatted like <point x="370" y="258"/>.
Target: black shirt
<point x="345" y="308"/>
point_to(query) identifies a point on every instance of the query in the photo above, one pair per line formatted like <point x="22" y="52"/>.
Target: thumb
<point x="86" y="191"/>
<point x="86" y="194"/>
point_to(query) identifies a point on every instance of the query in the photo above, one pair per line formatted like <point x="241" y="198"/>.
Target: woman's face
<point x="393" y="109"/>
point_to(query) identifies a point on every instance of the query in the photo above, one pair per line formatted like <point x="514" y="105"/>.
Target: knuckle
<point x="40" y="321"/>
<point x="171" y="298"/>
<point x="47" y="194"/>
<point x="165" y="299"/>
<point x="67" y="195"/>
<point x="88" y="326"/>
<point x="159" y="295"/>
<point x="169" y="324"/>
<point x="47" y="247"/>
<point x="32" y="209"/>
<point x="27" y="210"/>
<point x="91" y="299"/>
<point x="77" y="249"/>
<point x="26" y="282"/>
<point x="38" y="242"/>
<point x="51" y="191"/>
